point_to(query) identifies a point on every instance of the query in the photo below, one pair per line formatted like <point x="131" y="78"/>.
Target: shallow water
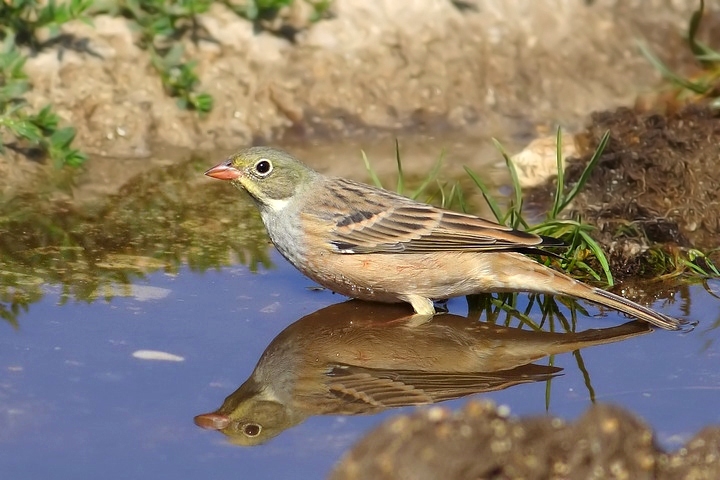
<point x="164" y="267"/>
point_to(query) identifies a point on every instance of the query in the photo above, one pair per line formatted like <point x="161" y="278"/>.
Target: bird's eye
<point x="263" y="167"/>
<point x="252" y="429"/>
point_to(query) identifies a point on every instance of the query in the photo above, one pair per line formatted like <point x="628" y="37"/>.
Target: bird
<point x="372" y="244"/>
<point x="357" y="357"/>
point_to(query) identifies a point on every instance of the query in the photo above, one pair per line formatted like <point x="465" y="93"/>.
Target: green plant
<point x="400" y="187"/>
<point x="160" y="25"/>
<point x="24" y="19"/>
<point x="584" y="256"/>
<point x="257" y="10"/>
<point x="583" y="251"/>
<point x="450" y="196"/>
<point x="704" y="85"/>
<point x="39" y="130"/>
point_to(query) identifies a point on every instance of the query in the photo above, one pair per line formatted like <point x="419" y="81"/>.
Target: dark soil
<point x="656" y="184"/>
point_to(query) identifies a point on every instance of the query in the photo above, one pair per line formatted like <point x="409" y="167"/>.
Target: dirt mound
<point x="657" y="182"/>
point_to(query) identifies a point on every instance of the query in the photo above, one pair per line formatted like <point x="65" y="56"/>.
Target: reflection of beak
<point x="224" y="171"/>
<point x="212" y="421"/>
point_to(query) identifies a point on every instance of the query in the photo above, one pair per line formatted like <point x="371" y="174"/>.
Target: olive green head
<point x="251" y="415"/>
<point x="271" y="176"/>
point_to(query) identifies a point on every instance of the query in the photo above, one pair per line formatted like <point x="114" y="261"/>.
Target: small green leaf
<point x="62" y="137"/>
<point x="203" y="102"/>
<point x="27" y="130"/>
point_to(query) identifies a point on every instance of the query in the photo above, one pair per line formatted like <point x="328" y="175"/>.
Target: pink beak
<point x="224" y="171"/>
<point x="212" y="421"/>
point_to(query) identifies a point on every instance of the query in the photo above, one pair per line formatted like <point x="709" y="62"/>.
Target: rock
<point x="482" y="441"/>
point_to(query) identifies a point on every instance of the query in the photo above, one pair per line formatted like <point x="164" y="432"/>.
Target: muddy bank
<point x="656" y="184"/>
<point x="481" y="441"/>
<point x="487" y="68"/>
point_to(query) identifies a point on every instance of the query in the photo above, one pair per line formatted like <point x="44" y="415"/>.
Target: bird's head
<point x="271" y="176"/>
<point x="252" y="422"/>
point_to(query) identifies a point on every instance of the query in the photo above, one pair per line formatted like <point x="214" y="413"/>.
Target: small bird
<point x="356" y="358"/>
<point x="368" y="243"/>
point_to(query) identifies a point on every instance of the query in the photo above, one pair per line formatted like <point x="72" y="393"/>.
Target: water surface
<point x="178" y="265"/>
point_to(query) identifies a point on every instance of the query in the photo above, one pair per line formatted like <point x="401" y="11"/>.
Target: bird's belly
<point x="385" y="277"/>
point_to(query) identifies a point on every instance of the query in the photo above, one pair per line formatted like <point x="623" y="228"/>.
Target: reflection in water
<point x="357" y="358"/>
<point x="159" y="220"/>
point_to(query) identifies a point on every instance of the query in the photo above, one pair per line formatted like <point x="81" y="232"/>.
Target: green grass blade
<point x="431" y="177"/>
<point x="585" y="374"/>
<point x="401" y="177"/>
<point x="599" y="254"/>
<point x="710" y="55"/>
<point x="560" y="183"/>
<point x="588" y="269"/>
<point x="371" y="171"/>
<point x="486" y="194"/>
<point x="523" y="318"/>
<point x="460" y="198"/>
<point x="695" y="21"/>
<point x="548" y="384"/>
<point x="517" y="189"/>
<point x="669" y="74"/>
<point x="586" y="172"/>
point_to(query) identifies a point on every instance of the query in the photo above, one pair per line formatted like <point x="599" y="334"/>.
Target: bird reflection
<point x="359" y="358"/>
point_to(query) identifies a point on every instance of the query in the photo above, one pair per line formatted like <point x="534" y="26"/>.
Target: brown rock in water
<point x="481" y="442"/>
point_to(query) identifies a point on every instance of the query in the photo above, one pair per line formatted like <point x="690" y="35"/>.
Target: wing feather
<point x="371" y="388"/>
<point x="372" y="220"/>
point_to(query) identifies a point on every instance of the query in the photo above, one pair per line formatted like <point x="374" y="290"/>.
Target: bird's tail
<point x="617" y="302"/>
<point x="539" y="278"/>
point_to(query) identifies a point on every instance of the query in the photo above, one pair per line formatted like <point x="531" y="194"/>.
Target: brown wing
<point x="365" y="389"/>
<point x="371" y="220"/>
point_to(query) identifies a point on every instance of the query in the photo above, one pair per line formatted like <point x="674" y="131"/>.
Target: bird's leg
<point x="421" y="305"/>
<point x="424" y="309"/>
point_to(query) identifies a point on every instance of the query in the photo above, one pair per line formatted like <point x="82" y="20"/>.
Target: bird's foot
<point x="421" y="305"/>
